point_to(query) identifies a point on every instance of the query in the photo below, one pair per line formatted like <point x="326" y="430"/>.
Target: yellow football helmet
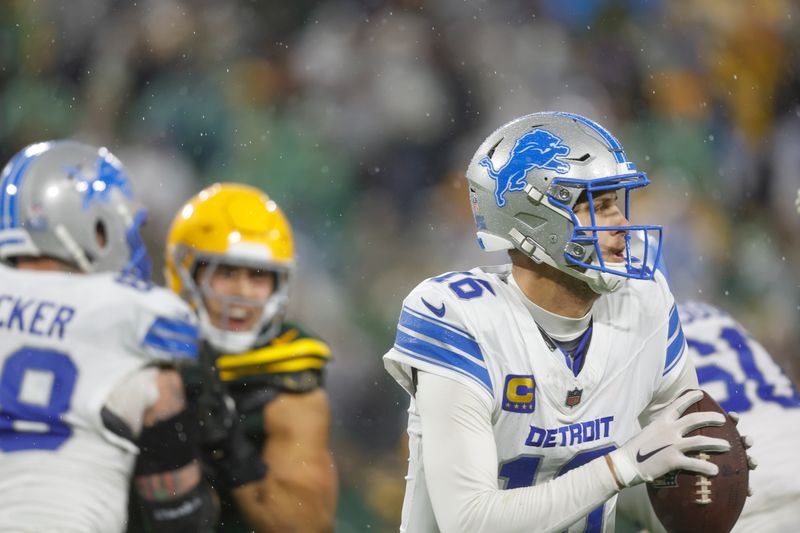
<point x="238" y="225"/>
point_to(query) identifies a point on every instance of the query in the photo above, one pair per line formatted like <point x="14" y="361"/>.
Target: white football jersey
<point x="474" y="328"/>
<point x="66" y="341"/>
<point x="739" y="373"/>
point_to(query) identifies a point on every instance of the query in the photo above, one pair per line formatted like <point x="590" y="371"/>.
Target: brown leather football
<point x="685" y="501"/>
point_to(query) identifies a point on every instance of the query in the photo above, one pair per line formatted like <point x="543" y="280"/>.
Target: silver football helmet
<point x="525" y="180"/>
<point x="73" y="202"/>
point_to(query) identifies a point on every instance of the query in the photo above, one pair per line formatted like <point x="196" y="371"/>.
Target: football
<point x="685" y="501"/>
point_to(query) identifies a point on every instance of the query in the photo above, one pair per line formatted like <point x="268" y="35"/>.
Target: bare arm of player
<point x="300" y="490"/>
<point x="168" y="479"/>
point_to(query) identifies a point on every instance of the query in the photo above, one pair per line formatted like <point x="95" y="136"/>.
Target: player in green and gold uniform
<point x="263" y="415"/>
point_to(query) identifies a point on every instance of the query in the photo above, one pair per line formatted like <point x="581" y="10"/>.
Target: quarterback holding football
<point x="528" y="380"/>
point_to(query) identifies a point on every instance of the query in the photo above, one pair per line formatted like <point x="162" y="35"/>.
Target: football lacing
<point x="703" y="484"/>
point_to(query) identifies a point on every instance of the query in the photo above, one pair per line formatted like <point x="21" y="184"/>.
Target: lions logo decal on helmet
<point x="109" y="176"/>
<point x="523" y="195"/>
<point x="538" y="149"/>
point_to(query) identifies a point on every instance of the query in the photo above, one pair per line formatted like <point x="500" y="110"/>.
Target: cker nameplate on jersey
<point x="40" y="318"/>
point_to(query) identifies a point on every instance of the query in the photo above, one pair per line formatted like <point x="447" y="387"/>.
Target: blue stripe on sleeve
<point x="175" y="347"/>
<point x="177" y="327"/>
<point x="443" y="357"/>
<point x="10" y="240"/>
<point x="674" y="321"/>
<point x="436" y="320"/>
<point x="675" y="351"/>
<point x="441" y="334"/>
<point x="437" y="363"/>
<point x="179" y="339"/>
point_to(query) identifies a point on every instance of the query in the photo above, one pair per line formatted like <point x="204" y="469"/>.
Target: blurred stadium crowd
<point x="359" y="117"/>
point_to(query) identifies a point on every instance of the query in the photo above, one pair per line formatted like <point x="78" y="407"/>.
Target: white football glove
<point x="661" y="446"/>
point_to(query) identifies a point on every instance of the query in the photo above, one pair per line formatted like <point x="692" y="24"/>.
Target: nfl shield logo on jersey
<point x="574" y="397"/>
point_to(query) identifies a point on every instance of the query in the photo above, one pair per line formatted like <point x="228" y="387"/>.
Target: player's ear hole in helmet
<point x="100" y="234"/>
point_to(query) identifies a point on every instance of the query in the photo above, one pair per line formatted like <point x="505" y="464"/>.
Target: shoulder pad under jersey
<point x="165" y="328"/>
<point x="433" y="333"/>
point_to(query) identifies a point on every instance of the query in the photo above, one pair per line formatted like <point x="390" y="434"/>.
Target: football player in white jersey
<point x="86" y="345"/>
<point x="528" y="380"/>
<point x="740" y="374"/>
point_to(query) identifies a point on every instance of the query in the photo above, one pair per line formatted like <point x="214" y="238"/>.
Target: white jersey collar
<point x="560" y="328"/>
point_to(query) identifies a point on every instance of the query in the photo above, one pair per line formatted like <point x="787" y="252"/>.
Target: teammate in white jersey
<point x="86" y="345"/>
<point x="527" y="381"/>
<point x="739" y="373"/>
